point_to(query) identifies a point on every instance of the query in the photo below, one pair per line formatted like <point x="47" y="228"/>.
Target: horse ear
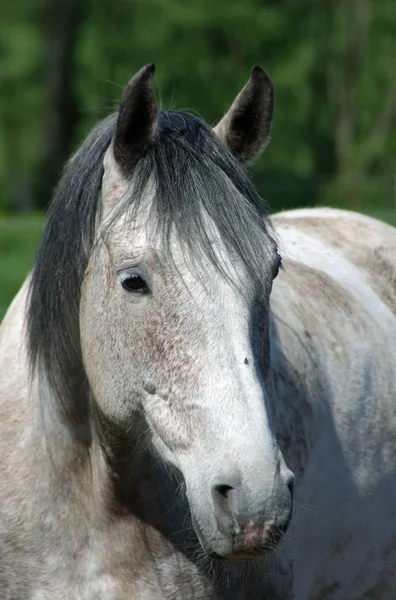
<point x="245" y="129"/>
<point x="137" y="119"/>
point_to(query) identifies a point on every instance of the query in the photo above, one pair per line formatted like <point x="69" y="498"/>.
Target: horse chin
<point x="222" y="548"/>
<point x="238" y="557"/>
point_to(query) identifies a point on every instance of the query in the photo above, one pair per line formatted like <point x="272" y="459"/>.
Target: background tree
<point x="61" y="26"/>
<point x="65" y="62"/>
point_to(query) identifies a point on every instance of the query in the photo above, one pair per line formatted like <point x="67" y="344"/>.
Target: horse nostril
<point x="223" y="489"/>
<point x="291" y="485"/>
<point x="223" y="508"/>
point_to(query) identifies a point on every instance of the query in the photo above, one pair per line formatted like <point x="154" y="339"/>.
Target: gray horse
<point x="164" y="405"/>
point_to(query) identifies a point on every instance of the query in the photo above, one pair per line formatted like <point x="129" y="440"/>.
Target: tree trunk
<point x="62" y="23"/>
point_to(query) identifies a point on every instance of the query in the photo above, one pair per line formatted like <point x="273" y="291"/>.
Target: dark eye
<point x="134" y="283"/>
<point x="278" y="265"/>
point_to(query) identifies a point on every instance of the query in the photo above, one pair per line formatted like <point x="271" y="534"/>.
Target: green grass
<point x="19" y="238"/>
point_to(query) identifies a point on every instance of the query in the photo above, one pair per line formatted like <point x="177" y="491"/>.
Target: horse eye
<point x="278" y="265"/>
<point x="134" y="283"/>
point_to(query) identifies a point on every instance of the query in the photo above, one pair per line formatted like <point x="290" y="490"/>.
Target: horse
<point x="197" y="401"/>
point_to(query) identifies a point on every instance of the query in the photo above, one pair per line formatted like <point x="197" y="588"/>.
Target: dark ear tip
<point x="150" y="68"/>
<point x="259" y="75"/>
<point x="257" y="71"/>
<point x="145" y="74"/>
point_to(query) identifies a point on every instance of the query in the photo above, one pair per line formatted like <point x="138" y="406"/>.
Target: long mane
<point x="194" y="176"/>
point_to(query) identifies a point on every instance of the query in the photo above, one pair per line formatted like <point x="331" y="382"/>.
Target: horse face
<point x="179" y="354"/>
<point x="175" y="336"/>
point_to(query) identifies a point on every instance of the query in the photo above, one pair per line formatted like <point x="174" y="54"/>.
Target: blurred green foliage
<point x="19" y="238"/>
<point x="64" y="65"/>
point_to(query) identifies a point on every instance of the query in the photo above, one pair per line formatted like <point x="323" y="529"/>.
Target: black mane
<point x="193" y="173"/>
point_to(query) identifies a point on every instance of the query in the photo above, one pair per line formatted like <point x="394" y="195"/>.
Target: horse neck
<point x="293" y="383"/>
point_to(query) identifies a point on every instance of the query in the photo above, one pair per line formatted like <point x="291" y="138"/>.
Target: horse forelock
<point x="194" y="177"/>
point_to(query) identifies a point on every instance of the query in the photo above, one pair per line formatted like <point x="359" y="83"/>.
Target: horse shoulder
<point x="334" y="319"/>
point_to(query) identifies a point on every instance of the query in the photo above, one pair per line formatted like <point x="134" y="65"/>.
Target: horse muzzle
<point x="236" y="526"/>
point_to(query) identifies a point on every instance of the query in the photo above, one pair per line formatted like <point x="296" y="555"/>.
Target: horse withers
<point x="161" y="396"/>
